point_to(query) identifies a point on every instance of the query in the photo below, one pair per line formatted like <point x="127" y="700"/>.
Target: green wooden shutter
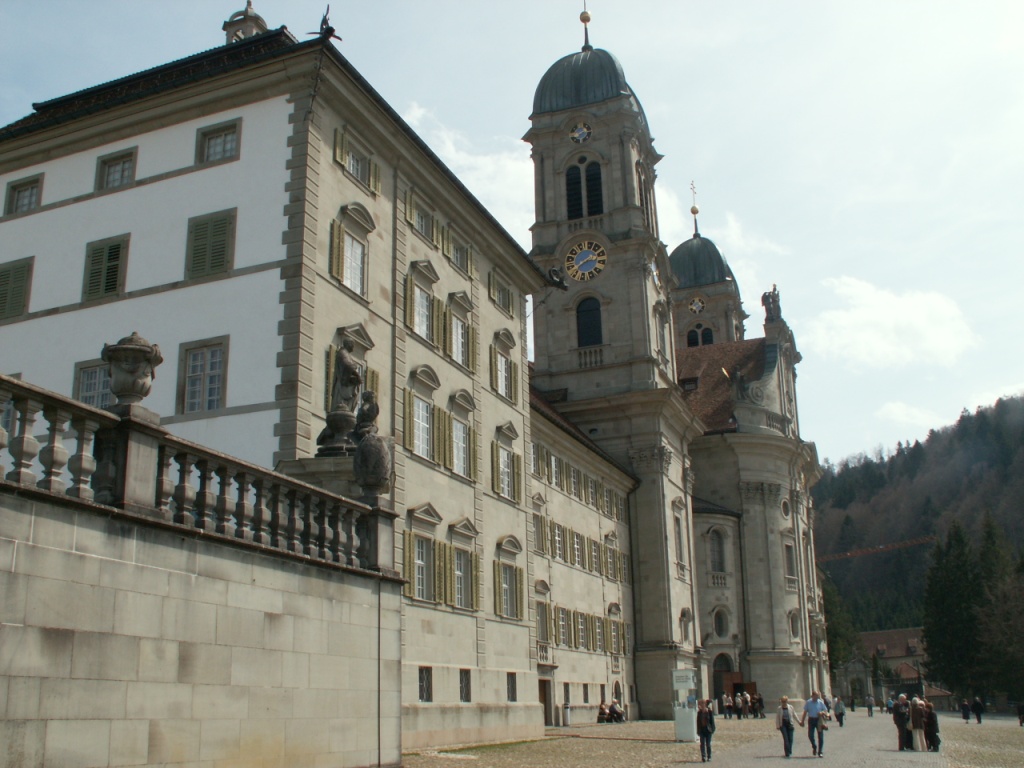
<point x="410" y="206"/>
<point x="103" y="270"/>
<point x="336" y="250"/>
<point x="329" y="358"/>
<point x="437" y="427"/>
<point x="340" y="146"/>
<point x="408" y="429"/>
<point x="494" y="368"/>
<point x="474" y="454"/>
<point x="449" y="443"/>
<point x="209" y="248"/>
<point x="14" y="284"/>
<point x="515" y="383"/>
<point x="517" y="477"/>
<point x="495" y="468"/>
<point x="410" y="296"/>
<point x="474" y="348"/>
<point x="449" y="574"/>
<point x="409" y="563"/>
<point x="497" y="588"/>
<point x="375" y="177"/>
<point x="478" y="580"/>
<point x="373" y="382"/>
<point x="439" y="561"/>
<point x="446" y="241"/>
<point x="437" y="317"/>
<point x="470" y="260"/>
<point x="520" y="594"/>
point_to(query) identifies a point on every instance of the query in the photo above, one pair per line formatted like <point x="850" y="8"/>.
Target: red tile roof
<point x="712" y="400"/>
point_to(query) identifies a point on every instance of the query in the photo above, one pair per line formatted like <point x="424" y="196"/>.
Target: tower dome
<point x="591" y="76"/>
<point x="698" y="262"/>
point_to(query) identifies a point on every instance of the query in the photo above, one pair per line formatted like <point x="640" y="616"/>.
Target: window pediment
<point x="541" y="587"/>
<point x="614" y="609"/>
<point x="510" y="545"/>
<point x="423" y="268"/>
<point x="464" y="528"/>
<point x="679" y="503"/>
<point x="463" y="400"/>
<point x="505" y="338"/>
<point x="508" y="429"/>
<point x="426" y="514"/>
<point x="425" y="375"/>
<point x="538" y="499"/>
<point x="358" y="334"/>
<point x="357" y="214"/>
<point x="611" y="539"/>
<point x="461" y="299"/>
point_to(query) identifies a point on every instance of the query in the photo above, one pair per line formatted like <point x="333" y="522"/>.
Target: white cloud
<point x="904" y="414"/>
<point x="879" y="328"/>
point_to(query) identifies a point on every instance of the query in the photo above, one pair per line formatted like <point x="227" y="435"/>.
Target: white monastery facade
<point x="573" y="528"/>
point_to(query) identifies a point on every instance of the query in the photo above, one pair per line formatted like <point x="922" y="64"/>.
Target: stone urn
<point x="132" y="362"/>
<point x="372" y="465"/>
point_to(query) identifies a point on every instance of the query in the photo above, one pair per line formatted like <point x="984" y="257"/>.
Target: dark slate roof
<point x="591" y="76"/>
<point x="698" y="262"/>
<point x="166" y="77"/>
<point x="712" y="400"/>
<point x="705" y="507"/>
<point x="540" y="406"/>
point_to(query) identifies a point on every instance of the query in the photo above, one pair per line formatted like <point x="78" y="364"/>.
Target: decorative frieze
<point x="655" y="457"/>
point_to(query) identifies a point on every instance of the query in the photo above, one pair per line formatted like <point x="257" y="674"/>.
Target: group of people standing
<point x="917" y="724"/>
<point x="743" y="705"/>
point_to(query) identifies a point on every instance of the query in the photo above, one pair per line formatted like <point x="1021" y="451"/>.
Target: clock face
<point x="585" y="260"/>
<point x="697" y="306"/>
<point x="580" y="133"/>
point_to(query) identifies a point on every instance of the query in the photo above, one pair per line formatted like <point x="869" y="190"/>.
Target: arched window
<point x="588" y="323"/>
<point x="579" y="198"/>
<point x="706" y="337"/>
<point x="595" y="198"/>
<point x="574" y="193"/>
<point x="721" y="622"/>
<point x="692" y="339"/>
<point x="716" y="545"/>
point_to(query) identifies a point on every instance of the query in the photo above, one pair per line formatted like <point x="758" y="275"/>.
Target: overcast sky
<point x="866" y="157"/>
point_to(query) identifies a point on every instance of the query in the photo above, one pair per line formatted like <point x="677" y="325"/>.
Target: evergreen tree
<point x="1001" y="626"/>
<point x="950" y="617"/>
<point x="843" y="642"/>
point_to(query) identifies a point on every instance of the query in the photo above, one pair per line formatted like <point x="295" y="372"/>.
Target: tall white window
<point x="460" y="341"/>
<point x="421" y="319"/>
<point x="204" y="378"/>
<point x="508" y="591"/>
<point x="460" y="448"/>
<point x="424" y="569"/>
<point x="422" y="428"/>
<point x="563" y="627"/>
<point x="355" y="261"/>
<point x="218" y="143"/>
<point x="463" y="579"/>
<point x="716" y="543"/>
<point x="505" y="465"/>
<point x="543" y="635"/>
<point x="94" y="386"/>
<point x="556" y="470"/>
<point x="559" y="542"/>
<point x="577" y="548"/>
<point x="599" y="634"/>
<point x="504" y="375"/>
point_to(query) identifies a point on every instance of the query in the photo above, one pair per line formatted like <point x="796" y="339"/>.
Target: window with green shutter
<point x="15" y="280"/>
<point x="105" y="266"/>
<point x="211" y="244"/>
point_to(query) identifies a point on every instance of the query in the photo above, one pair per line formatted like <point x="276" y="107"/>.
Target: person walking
<point x="917" y="723"/>
<point x="977" y="708"/>
<point x="931" y="727"/>
<point x="839" y="710"/>
<point x="869" y="702"/>
<point x="901" y="719"/>
<point x="785" y="717"/>
<point x="815" y="714"/>
<point x="705" y="728"/>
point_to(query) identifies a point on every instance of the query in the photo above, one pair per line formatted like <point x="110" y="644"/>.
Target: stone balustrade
<point x="123" y="459"/>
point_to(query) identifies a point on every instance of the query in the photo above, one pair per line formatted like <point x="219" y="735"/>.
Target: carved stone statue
<point x="366" y="417"/>
<point x="347" y="379"/>
<point x="770" y="302"/>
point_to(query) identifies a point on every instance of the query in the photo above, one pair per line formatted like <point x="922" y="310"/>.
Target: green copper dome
<point x="698" y="262"/>
<point x="588" y="77"/>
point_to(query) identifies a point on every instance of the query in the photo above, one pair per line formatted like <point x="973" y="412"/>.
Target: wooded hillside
<point x="959" y="473"/>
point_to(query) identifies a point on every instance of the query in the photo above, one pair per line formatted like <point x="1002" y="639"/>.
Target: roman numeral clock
<point x="585" y="260"/>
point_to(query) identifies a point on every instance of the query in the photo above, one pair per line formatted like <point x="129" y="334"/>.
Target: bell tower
<point x="603" y="347"/>
<point x="596" y="222"/>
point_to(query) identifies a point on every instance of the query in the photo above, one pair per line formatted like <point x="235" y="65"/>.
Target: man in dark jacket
<point x="705" y="727"/>
<point x="901" y="716"/>
<point x="977" y="708"/>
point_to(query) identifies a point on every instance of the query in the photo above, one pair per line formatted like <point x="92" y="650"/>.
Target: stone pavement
<point x="864" y="741"/>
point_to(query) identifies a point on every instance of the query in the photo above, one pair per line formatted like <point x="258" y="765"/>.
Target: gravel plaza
<point x="864" y="741"/>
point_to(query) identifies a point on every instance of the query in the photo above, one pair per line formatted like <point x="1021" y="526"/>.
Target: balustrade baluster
<point x="225" y="507"/>
<point x="292" y="522"/>
<point x="83" y="464"/>
<point x="260" y="514"/>
<point x="334" y="521"/>
<point x="243" y="507"/>
<point x="205" y="498"/>
<point x="164" y="482"/>
<point x="322" y="532"/>
<point x="362" y="550"/>
<point x="54" y="456"/>
<point x="311" y="530"/>
<point x="184" y="491"/>
<point x="277" y="525"/>
<point x="24" y="447"/>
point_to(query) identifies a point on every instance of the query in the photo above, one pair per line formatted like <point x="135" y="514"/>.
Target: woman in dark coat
<point x="931" y="727"/>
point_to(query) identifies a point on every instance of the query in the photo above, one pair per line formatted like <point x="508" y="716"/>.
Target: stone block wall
<point x="126" y="643"/>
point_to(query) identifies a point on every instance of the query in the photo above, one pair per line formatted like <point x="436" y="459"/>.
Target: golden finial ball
<point x="695" y="210"/>
<point x="585" y="17"/>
